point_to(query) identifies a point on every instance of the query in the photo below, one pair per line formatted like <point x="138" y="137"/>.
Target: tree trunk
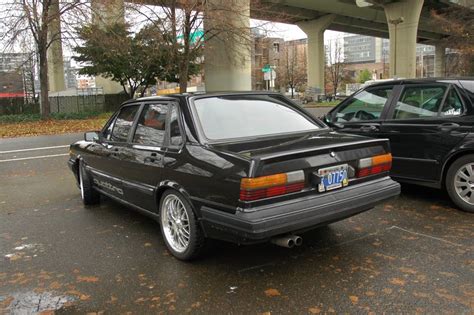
<point x="44" y="83"/>
<point x="184" y="62"/>
<point x="183" y="79"/>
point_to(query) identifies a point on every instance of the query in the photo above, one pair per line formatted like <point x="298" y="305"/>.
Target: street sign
<point x="266" y="68"/>
<point x="270" y="75"/>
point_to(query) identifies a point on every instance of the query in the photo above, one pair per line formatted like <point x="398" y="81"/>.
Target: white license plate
<point x="333" y="177"/>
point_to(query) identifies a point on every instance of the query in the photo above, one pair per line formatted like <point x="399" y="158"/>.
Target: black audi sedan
<point x="430" y="124"/>
<point x="240" y="167"/>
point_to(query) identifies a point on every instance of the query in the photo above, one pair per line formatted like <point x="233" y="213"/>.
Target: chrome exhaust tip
<point x="298" y="240"/>
<point x="284" y="241"/>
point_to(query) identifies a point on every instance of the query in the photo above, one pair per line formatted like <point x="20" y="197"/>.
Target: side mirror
<point x="91" y="136"/>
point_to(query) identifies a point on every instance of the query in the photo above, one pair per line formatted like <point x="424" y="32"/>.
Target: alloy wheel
<point x="464" y="183"/>
<point x="175" y="223"/>
<point x="81" y="183"/>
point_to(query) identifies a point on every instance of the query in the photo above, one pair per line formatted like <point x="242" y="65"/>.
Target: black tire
<point x="89" y="195"/>
<point x="196" y="241"/>
<point x="450" y="183"/>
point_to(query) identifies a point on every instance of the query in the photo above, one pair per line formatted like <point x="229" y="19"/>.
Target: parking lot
<point x="412" y="254"/>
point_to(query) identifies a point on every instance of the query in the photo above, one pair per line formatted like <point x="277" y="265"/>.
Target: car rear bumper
<point x="296" y="215"/>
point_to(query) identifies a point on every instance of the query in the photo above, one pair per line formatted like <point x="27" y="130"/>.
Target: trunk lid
<point x="307" y="152"/>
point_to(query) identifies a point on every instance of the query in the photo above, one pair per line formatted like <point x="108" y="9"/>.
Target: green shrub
<point x="19" y="118"/>
<point x="57" y="116"/>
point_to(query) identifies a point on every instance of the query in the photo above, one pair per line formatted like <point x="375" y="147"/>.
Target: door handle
<point x="369" y="128"/>
<point x="448" y="126"/>
<point x="153" y="158"/>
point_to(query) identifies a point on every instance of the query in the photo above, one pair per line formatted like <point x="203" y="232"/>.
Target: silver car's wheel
<point x="175" y="223"/>
<point x="464" y="183"/>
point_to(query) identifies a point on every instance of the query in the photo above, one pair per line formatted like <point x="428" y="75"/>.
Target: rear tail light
<point x="270" y="186"/>
<point x="374" y="165"/>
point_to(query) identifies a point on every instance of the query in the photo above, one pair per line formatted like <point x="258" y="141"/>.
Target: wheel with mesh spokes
<point x="181" y="232"/>
<point x="460" y="182"/>
<point x="89" y="196"/>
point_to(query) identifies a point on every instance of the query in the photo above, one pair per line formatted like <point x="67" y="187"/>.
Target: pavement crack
<point x="256" y="267"/>
<point x="425" y="235"/>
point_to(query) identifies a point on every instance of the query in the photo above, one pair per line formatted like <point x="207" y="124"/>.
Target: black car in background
<point x="430" y="124"/>
<point x="240" y="167"/>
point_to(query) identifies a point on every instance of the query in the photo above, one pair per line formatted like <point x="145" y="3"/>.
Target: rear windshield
<point x="228" y="117"/>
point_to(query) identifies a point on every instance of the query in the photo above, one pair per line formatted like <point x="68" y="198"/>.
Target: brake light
<point x="374" y="165"/>
<point x="270" y="186"/>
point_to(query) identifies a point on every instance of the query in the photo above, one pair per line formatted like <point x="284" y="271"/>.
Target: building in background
<point x="266" y="53"/>
<point x="425" y="58"/>
<point x="372" y="53"/>
<point x="70" y="74"/>
<point x="365" y="53"/>
<point x="12" y="62"/>
<point x="11" y="85"/>
<point x="18" y="75"/>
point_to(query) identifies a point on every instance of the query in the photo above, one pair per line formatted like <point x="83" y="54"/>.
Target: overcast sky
<point x="291" y="32"/>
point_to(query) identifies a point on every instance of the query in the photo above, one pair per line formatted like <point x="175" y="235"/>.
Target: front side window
<point x="107" y="130"/>
<point x="420" y="102"/>
<point x="365" y="105"/>
<point x="228" y="117"/>
<point x="151" y="125"/>
<point x="124" y="123"/>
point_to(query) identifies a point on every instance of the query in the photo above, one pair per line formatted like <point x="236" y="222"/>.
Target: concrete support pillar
<point x="108" y="12"/>
<point x="316" y="56"/>
<point x="227" y="50"/>
<point x="55" y="51"/>
<point x="440" y="61"/>
<point x="402" y="19"/>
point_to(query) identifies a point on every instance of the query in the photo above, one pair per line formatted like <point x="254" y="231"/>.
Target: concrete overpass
<point x="404" y="22"/>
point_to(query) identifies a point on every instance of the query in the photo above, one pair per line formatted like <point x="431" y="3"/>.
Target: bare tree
<point x="293" y="68"/>
<point x="41" y="21"/>
<point x="185" y="21"/>
<point x="335" y="64"/>
<point x="458" y="21"/>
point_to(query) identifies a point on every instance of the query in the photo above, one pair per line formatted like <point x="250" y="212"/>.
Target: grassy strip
<point x="50" y="127"/>
<point x="5" y="119"/>
<point x="322" y="104"/>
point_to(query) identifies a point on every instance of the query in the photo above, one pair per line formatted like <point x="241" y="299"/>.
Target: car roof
<point x="174" y="96"/>
<point x="420" y="80"/>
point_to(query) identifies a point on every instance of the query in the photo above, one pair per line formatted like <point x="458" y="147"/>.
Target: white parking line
<point x="34" y="149"/>
<point x="34" y="157"/>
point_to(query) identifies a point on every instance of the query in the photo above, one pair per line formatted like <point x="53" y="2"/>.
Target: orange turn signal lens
<point x="374" y="165"/>
<point x="271" y="185"/>
<point x="263" y="182"/>
<point x="382" y="159"/>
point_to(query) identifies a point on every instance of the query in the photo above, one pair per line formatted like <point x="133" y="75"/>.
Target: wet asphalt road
<point x="412" y="254"/>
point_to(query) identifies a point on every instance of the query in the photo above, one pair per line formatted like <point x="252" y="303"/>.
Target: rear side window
<point x="365" y="105"/>
<point x="124" y="123"/>
<point x="420" y="102"/>
<point x="452" y="105"/>
<point x="228" y="117"/>
<point x="176" y="138"/>
<point x="151" y="125"/>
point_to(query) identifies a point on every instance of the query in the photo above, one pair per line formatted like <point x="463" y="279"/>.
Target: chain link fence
<point x="78" y="103"/>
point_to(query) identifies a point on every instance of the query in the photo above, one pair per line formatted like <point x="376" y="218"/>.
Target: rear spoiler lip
<point x="256" y="161"/>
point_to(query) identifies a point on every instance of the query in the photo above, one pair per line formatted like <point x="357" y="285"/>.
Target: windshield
<point x="228" y="117"/>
